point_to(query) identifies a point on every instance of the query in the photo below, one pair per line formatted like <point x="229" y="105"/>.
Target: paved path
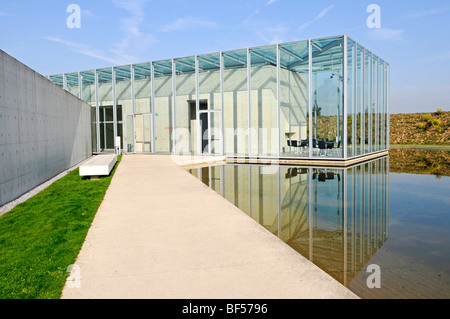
<point x="161" y="233"/>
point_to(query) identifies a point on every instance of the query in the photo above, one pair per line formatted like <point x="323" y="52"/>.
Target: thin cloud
<point x="85" y="49"/>
<point x="385" y="34"/>
<point x="187" y="23"/>
<point x="133" y="39"/>
<point x="321" y="14"/>
<point x="269" y="3"/>
<point x="5" y="14"/>
<point x="438" y="58"/>
<point x="429" y="12"/>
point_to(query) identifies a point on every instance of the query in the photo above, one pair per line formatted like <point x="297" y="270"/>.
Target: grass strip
<point x="42" y="236"/>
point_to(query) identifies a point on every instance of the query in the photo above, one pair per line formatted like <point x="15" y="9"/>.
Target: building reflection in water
<point x="336" y="217"/>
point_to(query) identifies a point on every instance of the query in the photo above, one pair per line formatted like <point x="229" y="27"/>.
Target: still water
<point x="344" y="220"/>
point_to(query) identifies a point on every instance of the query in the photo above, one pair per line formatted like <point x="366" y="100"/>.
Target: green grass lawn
<point x="42" y="236"/>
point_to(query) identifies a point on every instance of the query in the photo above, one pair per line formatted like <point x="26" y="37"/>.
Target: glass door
<point x="211" y="132"/>
<point x="143" y="133"/>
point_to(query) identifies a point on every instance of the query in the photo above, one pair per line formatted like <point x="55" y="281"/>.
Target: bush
<point x="421" y="126"/>
<point x="430" y="121"/>
<point x="439" y="111"/>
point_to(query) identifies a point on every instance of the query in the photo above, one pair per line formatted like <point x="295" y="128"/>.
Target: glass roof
<point x="162" y="68"/>
<point x="142" y="71"/>
<point x="209" y="62"/>
<point x="327" y="53"/>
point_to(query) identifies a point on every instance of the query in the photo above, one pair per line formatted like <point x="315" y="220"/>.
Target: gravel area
<point x="8" y="206"/>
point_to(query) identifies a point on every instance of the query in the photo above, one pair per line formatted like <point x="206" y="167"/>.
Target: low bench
<point x="99" y="165"/>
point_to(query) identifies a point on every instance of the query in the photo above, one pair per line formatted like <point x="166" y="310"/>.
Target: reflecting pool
<point x="345" y="219"/>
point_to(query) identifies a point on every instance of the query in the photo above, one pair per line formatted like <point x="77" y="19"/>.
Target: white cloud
<point x="438" y="58"/>
<point x="5" y="14"/>
<point x="385" y="34"/>
<point x="321" y="14"/>
<point x="85" y="49"/>
<point x="429" y="12"/>
<point x="133" y="39"/>
<point x="187" y="23"/>
<point x="270" y="2"/>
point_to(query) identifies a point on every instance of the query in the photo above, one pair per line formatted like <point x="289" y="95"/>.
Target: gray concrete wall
<point x="44" y="130"/>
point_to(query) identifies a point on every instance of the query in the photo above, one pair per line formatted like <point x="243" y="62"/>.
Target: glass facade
<point x="338" y="218"/>
<point x="324" y="98"/>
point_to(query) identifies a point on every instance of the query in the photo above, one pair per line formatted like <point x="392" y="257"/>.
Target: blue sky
<point x="413" y="36"/>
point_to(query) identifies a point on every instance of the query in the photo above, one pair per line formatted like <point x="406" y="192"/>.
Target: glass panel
<point x="58" y="79"/>
<point x="264" y="198"/>
<point x="139" y="132"/>
<point x="88" y="95"/>
<point x="72" y="83"/>
<point x="387" y="104"/>
<point x="142" y="88"/>
<point x="359" y="101"/>
<point x="129" y="148"/>
<point x="294" y="116"/>
<point x="209" y="80"/>
<point x="264" y="108"/>
<point x="381" y="105"/>
<point x="147" y="133"/>
<point x="163" y="106"/>
<point x="105" y="100"/>
<point x="235" y="103"/>
<point x="367" y="101"/>
<point x="351" y="91"/>
<point x="204" y="125"/>
<point x="185" y="98"/>
<point x="215" y="128"/>
<point x="124" y="103"/>
<point x="374" y="103"/>
<point x="327" y="81"/>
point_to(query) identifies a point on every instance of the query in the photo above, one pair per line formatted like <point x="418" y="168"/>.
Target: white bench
<point x="99" y="165"/>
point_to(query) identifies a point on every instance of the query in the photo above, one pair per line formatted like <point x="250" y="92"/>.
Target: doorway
<point x="210" y="127"/>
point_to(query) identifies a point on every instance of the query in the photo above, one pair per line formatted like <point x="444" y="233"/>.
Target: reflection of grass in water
<point x="414" y="161"/>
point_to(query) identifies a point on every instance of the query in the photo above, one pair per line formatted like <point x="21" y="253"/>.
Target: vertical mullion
<point x="113" y="84"/>
<point x="344" y="124"/>
<point x="310" y="97"/>
<point x="97" y="111"/>
<point x="79" y="86"/>
<point x="364" y="98"/>
<point x="222" y="100"/>
<point x="278" y="102"/>
<point x="152" y="105"/>
<point x="197" y="106"/>
<point x="249" y="135"/>
<point x="174" y="100"/>
<point x="133" y="105"/>
<point x="355" y="100"/>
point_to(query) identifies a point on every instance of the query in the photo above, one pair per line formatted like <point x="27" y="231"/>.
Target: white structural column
<point x="152" y="104"/>
<point x="197" y="107"/>
<point x="174" y="108"/>
<point x="310" y="98"/>
<point x="278" y="101"/>
<point x="222" y="101"/>
<point x="364" y="100"/>
<point x="97" y="111"/>
<point x="113" y="83"/>
<point x="344" y="124"/>
<point x="249" y="95"/>
<point x="79" y="86"/>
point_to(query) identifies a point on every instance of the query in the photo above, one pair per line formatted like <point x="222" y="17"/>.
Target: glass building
<point x="324" y="98"/>
<point x="336" y="217"/>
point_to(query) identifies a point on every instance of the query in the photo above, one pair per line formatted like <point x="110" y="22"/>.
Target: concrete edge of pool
<point x="161" y="233"/>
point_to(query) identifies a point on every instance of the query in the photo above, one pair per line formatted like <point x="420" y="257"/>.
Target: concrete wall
<point x="43" y="129"/>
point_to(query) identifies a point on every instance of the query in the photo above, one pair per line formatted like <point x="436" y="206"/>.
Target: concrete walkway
<point x="161" y="233"/>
